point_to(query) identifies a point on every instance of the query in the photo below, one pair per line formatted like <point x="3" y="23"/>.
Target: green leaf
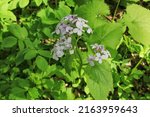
<point x="69" y="93"/>
<point x="13" y="4"/>
<point x="41" y="63"/>
<point x="38" y="2"/>
<point x="70" y="3"/>
<point x="8" y="15"/>
<point x="23" y="3"/>
<point x="18" y="31"/>
<point x="138" y="22"/>
<point x="23" y="83"/>
<point x="9" y="42"/>
<point x="106" y="34"/>
<point x="62" y="11"/>
<point x="93" y="11"/>
<point x="34" y="93"/>
<point x="45" y="53"/>
<point x="21" y="44"/>
<point x="47" y="16"/>
<point x="17" y="93"/>
<point x="30" y="54"/>
<point x="99" y="80"/>
<point x="45" y="2"/>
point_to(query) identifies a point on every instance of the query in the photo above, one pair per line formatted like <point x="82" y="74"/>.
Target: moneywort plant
<point x="73" y="49"/>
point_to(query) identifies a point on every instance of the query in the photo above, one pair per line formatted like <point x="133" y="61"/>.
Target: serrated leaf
<point x="30" y="54"/>
<point x="9" y="42"/>
<point x="47" y="16"/>
<point x="99" y="80"/>
<point x="93" y="11"/>
<point x="18" y="31"/>
<point x="41" y="63"/>
<point x="138" y="22"/>
<point x="38" y="2"/>
<point x="23" y="3"/>
<point x="34" y="93"/>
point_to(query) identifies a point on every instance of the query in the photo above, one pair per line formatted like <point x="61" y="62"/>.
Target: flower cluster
<point x="72" y="25"/>
<point x="68" y="25"/>
<point x="100" y="54"/>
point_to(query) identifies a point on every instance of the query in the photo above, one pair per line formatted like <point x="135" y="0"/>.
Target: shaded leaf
<point x="99" y="80"/>
<point x="41" y="63"/>
<point x="9" y="42"/>
<point x="138" y="22"/>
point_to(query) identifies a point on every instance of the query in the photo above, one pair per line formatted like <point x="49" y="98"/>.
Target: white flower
<point x="78" y="31"/>
<point x="91" y="60"/>
<point x="89" y="30"/>
<point x="100" y="54"/>
<point x="106" y="54"/>
<point x="98" y="57"/>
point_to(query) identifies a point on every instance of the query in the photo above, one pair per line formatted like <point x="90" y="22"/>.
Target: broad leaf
<point x="138" y="22"/>
<point x="45" y="53"/>
<point x="18" y="31"/>
<point x="23" y="3"/>
<point x="99" y="80"/>
<point x="62" y="11"/>
<point x="108" y="34"/>
<point x="93" y="11"/>
<point x="9" y="42"/>
<point x="41" y="63"/>
<point x="30" y="54"/>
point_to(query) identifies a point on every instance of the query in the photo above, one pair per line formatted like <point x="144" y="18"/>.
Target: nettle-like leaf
<point x="99" y="80"/>
<point x="9" y="41"/>
<point x="47" y="16"/>
<point x="93" y="11"/>
<point x="18" y="31"/>
<point x="34" y="93"/>
<point x="41" y="63"/>
<point x="138" y="22"/>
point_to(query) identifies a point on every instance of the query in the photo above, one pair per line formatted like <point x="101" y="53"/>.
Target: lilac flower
<point x="72" y="24"/>
<point x="100" y="53"/>
<point x="91" y="60"/>
<point x="68" y="26"/>
<point x="98" y="57"/>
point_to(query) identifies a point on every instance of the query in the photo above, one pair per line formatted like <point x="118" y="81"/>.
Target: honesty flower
<point x="100" y="53"/>
<point x="72" y="24"/>
<point x="68" y="26"/>
<point x="60" y="46"/>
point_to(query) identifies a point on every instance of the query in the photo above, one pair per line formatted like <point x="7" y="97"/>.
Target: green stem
<point x="116" y="10"/>
<point x="81" y="62"/>
<point x="136" y="65"/>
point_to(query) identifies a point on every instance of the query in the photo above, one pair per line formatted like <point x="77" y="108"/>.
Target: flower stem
<point x="80" y="62"/>
<point x="116" y="10"/>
